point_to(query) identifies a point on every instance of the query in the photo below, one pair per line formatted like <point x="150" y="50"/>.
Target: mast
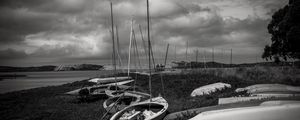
<point x="129" y="50"/>
<point x="186" y="50"/>
<point x="166" y="55"/>
<point x="113" y="39"/>
<point x="186" y="53"/>
<point x="175" y="53"/>
<point x="204" y="61"/>
<point x="135" y="55"/>
<point x="231" y="57"/>
<point x="118" y="49"/>
<point x="196" y="55"/>
<point x="213" y="55"/>
<point x="153" y="62"/>
<point x="149" y="48"/>
<point x="222" y="61"/>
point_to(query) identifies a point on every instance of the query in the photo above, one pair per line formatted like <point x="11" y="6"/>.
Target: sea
<point x="43" y="79"/>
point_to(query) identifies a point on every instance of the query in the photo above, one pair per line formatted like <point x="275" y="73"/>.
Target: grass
<point x="47" y="103"/>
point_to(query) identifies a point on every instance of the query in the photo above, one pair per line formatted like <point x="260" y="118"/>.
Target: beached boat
<point x="109" y="79"/>
<point x="114" y="90"/>
<point x="230" y="100"/>
<point x="154" y="109"/>
<point x="270" y="110"/>
<point x="151" y="109"/>
<point x="259" y="88"/>
<point x="95" y="90"/>
<point x="275" y="89"/>
<point x="208" y="89"/>
<point x="119" y="102"/>
<point x="276" y="94"/>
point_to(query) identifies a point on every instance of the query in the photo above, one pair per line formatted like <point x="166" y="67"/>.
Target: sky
<point x="44" y="32"/>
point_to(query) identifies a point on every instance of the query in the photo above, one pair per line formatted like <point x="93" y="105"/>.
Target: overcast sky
<point x="39" y="32"/>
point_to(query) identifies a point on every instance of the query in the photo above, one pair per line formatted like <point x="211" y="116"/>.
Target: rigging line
<point x="118" y="49"/>
<point x="136" y="49"/>
<point x="135" y="56"/>
<point x="143" y="41"/>
<point x="114" y="105"/>
<point x="129" y="49"/>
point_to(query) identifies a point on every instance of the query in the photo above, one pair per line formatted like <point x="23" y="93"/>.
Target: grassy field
<point x="47" y="102"/>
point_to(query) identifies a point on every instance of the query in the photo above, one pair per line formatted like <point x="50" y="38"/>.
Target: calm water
<point x="42" y="79"/>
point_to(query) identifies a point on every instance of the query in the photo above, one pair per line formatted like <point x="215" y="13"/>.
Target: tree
<point x="285" y="30"/>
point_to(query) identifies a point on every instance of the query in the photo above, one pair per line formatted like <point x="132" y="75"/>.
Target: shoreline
<point x="48" y="102"/>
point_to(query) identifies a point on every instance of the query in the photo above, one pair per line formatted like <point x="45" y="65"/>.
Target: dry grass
<point x="48" y="103"/>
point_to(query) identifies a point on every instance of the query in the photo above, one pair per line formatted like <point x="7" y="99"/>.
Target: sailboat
<point x="116" y="90"/>
<point x="95" y="90"/>
<point x="109" y="79"/>
<point x="104" y="84"/>
<point x="151" y="109"/>
<point x="120" y="99"/>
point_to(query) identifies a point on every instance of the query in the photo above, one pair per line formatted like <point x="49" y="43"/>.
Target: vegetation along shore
<point x="49" y="103"/>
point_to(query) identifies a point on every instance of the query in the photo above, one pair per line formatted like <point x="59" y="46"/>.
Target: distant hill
<point x="79" y="67"/>
<point x="26" y="69"/>
<point x="51" y="68"/>
<point x="183" y="64"/>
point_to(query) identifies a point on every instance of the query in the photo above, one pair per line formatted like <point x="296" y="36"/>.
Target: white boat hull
<point x="159" y="105"/>
<point x="109" y="80"/>
<point x="283" y="111"/>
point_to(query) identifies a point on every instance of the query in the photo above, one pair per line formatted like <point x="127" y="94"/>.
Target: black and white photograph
<point x="149" y="59"/>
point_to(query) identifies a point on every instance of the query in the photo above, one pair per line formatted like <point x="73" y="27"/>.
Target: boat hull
<point x="119" y="102"/>
<point x="269" y="111"/>
<point x="109" y="80"/>
<point x="158" y="107"/>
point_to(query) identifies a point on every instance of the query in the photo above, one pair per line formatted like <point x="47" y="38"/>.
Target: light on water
<point x="43" y="79"/>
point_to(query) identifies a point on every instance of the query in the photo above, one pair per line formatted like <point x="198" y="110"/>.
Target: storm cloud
<point x="79" y="31"/>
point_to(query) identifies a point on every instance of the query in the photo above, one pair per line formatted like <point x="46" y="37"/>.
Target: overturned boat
<point x="270" y="110"/>
<point x="271" y="90"/>
<point x="261" y="88"/>
<point x="210" y="88"/>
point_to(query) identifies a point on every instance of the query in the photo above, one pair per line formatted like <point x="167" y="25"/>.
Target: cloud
<point x="56" y="44"/>
<point x="79" y="29"/>
<point x="12" y="54"/>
